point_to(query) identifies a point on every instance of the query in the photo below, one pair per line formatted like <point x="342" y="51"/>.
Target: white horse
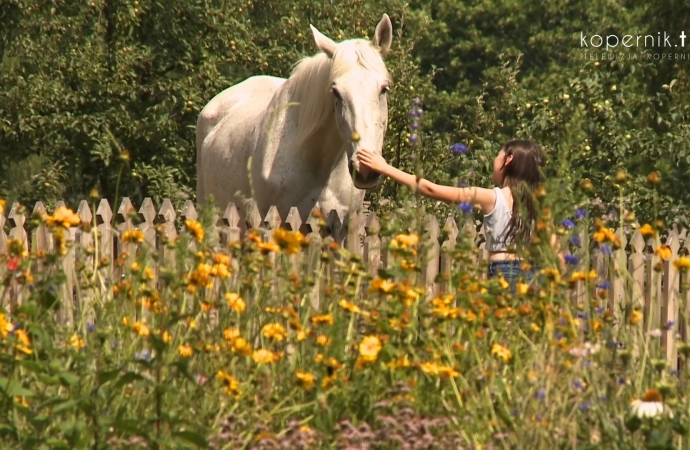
<point x="294" y="142"/>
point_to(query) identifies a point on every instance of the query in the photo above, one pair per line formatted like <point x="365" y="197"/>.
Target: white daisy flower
<point x="650" y="405"/>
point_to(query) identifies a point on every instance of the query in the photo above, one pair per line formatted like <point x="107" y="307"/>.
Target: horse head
<point x="359" y="82"/>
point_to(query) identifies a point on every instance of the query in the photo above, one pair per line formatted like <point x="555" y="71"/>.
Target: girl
<point x="516" y="169"/>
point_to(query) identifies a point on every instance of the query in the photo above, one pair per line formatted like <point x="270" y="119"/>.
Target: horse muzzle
<point x="367" y="179"/>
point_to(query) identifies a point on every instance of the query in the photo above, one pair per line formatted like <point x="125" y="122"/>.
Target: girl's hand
<point x="371" y="160"/>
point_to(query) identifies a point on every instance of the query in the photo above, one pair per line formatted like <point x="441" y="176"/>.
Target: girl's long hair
<point x="524" y="176"/>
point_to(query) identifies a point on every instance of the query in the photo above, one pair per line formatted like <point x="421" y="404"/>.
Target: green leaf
<point x="14" y="388"/>
<point x="103" y="377"/>
<point x="57" y="443"/>
<point x="127" y="378"/>
<point x="65" y="405"/>
<point x="69" y="379"/>
<point x="192" y="437"/>
<point x="32" y="366"/>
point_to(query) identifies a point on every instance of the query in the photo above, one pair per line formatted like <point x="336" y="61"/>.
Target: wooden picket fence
<point x="635" y="274"/>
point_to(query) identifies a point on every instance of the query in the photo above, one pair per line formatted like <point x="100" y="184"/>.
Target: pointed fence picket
<point x="636" y="275"/>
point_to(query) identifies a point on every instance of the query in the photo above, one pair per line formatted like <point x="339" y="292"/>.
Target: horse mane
<point x="311" y="79"/>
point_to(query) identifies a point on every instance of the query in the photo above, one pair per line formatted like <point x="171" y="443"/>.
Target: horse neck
<point x="322" y="147"/>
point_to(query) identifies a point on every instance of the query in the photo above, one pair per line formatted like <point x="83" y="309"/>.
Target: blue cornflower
<point x="584" y="407"/>
<point x="540" y="394"/>
<point x="578" y="385"/>
<point x="567" y="223"/>
<point x="580" y="213"/>
<point x="90" y="327"/>
<point x="605" y="249"/>
<point x="465" y="207"/>
<point x="606" y="284"/>
<point x="462" y="183"/>
<point x="571" y="259"/>
<point x="575" y="240"/>
<point x="143" y="355"/>
<point x="458" y="148"/>
<point x="670" y="324"/>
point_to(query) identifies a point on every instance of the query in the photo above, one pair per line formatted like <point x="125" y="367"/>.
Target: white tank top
<point x="495" y="224"/>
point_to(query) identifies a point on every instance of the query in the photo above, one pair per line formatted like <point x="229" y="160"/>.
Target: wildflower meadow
<point x="273" y="338"/>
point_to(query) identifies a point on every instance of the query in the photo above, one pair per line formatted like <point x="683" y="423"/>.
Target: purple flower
<point x="90" y="327"/>
<point x="567" y="223"/>
<point x="417" y="102"/>
<point x="584" y="406"/>
<point x="571" y="259"/>
<point x="462" y="183"/>
<point x="465" y="207"/>
<point x="414" y="124"/>
<point x="540" y="394"/>
<point x="575" y="240"/>
<point x="413" y="138"/>
<point x="605" y="284"/>
<point x="458" y="149"/>
<point x="578" y="385"/>
<point x="580" y="213"/>
<point x="605" y="249"/>
<point x="143" y="355"/>
<point x="669" y="324"/>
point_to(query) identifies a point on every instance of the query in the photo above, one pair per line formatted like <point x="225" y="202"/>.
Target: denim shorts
<point x="511" y="272"/>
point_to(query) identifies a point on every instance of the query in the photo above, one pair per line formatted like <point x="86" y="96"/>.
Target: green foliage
<point x="83" y="81"/>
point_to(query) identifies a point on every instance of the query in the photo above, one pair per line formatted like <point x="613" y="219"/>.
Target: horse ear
<point x="383" y="36"/>
<point x="326" y="44"/>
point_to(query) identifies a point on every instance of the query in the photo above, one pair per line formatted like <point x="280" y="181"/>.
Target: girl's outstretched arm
<point x="479" y="197"/>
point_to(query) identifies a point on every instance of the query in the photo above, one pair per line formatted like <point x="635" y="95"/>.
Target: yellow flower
<point x="381" y="286"/>
<point x="502" y="352"/>
<point x="141" y="329"/>
<point x="62" y="217"/>
<point x="349" y="306"/>
<point x="195" y="228"/>
<point x="405" y="241"/>
<point x="577" y="276"/>
<point x="263" y="356"/>
<point x="201" y="276"/>
<point x="220" y="271"/>
<point x="682" y="264"/>
<point x="323" y="340"/>
<point x="664" y="252"/>
<point x="325" y="318"/>
<point x="241" y="346"/>
<point x="2" y="206"/>
<point x="291" y="241"/>
<point x="646" y="230"/>
<point x="166" y="337"/>
<point x="268" y="247"/>
<point x="236" y="302"/>
<point x="301" y="335"/>
<point x="185" y="351"/>
<point x="635" y="317"/>
<point x="230" y="334"/>
<point x="274" y="331"/>
<point x="5" y="326"/>
<point x="24" y="345"/>
<point x="305" y="379"/>
<point x="76" y="342"/>
<point x="136" y="236"/>
<point x="232" y="386"/>
<point x="504" y="284"/>
<point x="369" y="348"/>
<point x="221" y="258"/>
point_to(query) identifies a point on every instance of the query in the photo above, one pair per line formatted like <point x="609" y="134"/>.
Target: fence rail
<point x="636" y="273"/>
